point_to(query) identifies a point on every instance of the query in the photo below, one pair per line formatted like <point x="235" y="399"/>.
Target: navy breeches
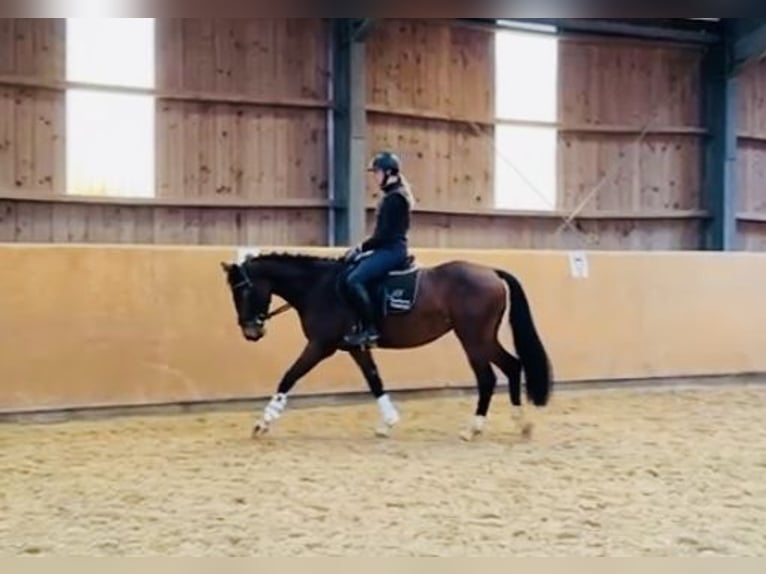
<point x="375" y="267"/>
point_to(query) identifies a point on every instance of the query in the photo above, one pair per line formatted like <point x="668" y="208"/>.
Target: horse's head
<point x="252" y="296"/>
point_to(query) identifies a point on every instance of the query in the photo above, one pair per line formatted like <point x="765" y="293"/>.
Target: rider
<point x="387" y="246"/>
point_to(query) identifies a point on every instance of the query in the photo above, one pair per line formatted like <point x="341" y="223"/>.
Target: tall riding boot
<point x="367" y="335"/>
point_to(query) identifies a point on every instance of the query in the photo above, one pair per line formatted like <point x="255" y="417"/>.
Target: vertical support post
<point x="358" y="197"/>
<point x="350" y="143"/>
<point x="720" y="171"/>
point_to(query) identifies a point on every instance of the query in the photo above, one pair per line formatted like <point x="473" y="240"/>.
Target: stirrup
<point x="362" y="337"/>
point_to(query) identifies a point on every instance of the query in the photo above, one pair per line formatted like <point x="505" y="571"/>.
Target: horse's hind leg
<point x="479" y="356"/>
<point x="486" y="381"/>
<point x="511" y="368"/>
<point x="476" y="323"/>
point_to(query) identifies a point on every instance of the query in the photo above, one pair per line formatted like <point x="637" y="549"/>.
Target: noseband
<point x="260" y="319"/>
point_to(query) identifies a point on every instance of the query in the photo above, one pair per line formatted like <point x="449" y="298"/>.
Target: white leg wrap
<point x="475" y="429"/>
<point x="387" y="410"/>
<point x="275" y="408"/>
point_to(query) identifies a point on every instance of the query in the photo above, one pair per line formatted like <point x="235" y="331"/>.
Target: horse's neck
<point x="293" y="285"/>
<point x="288" y="289"/>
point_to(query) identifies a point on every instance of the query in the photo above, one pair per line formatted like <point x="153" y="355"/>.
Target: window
<point x="110" y="144"/>
<point x="526" y="137"/>
<point x="110" y="135"/>
<point x="114" y="51"/>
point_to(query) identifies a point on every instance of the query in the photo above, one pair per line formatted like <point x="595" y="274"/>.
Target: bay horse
<point x="415" y="306"/>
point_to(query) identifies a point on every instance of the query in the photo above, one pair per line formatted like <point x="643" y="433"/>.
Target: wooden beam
<point x="362" y="28"/>
<point x="349" y="135"/>
<point x="605" y="27"/>
<point x="16" y="81"/>
<point x="752" y="137"/>
<point x="752" y="217"/>
<point x="604" y="129"/>
<point x="416" y="114"/>
<point x="605" y="215"/>
<point x="719" y="95"/>
<point x="201" y="202"/>
<point x="747" y="47"/>
<point x="620" y="130"/>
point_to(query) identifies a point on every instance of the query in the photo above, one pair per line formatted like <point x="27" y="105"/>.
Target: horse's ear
<point x="226" y="267"/>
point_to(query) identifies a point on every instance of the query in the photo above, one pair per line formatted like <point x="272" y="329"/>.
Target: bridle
<point x="260" y="319"/>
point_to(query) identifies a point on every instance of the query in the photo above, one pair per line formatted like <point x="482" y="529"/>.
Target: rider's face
<point x="380" y="176"/>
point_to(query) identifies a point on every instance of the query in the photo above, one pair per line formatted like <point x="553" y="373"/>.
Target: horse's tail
<point x="534" y="359"/>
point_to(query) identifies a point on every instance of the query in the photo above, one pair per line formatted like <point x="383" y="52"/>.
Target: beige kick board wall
<point x="118" y="325"/>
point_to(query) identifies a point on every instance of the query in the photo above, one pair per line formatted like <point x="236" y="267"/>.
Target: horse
<point x="415" y="306"/>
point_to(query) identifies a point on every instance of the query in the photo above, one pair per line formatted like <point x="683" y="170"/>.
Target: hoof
<point x="469" y="434"/>
<point x="476" y="428"/>
<point x="526" y="431"/>
<point x="259" y="430"/>
<point x="384" y="430"/>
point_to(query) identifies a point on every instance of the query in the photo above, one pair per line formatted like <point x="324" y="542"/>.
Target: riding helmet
<point x="385" y="161"/>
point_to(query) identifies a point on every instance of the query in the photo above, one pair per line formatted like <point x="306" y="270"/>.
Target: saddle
<point x="397" y="292"/>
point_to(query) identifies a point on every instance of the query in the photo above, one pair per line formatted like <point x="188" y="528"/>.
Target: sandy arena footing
<point x="666" y="472"/>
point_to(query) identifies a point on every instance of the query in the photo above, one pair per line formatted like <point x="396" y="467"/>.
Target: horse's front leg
<point x="312" y="355"/>
<point x="365" y="362"/>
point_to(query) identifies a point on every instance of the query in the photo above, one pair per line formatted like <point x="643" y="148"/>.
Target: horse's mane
<point x="312" y="262"/>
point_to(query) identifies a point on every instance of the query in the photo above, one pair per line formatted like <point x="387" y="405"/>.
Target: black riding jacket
<point x="393" y="219"/>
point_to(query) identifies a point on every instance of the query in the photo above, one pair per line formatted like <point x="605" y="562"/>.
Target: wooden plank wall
<point x="31" y="119"/>
<point x="752" y="157"/>
<point x="241" y="138"/>
<point x="610" y="92"/>
<point x="430" y="88"/>
<point x="428" y="83"/>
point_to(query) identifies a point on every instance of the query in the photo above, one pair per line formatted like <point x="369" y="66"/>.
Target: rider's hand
<point x="352" y="253"/>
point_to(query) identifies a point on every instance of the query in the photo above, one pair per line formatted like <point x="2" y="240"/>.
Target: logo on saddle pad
<point x="399" y="291"/>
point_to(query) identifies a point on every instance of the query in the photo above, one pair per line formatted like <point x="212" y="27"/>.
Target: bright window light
<point x="111" y="51"/>
<point x="110" y="136"/>
<point x="526" y="76"/>
<point x="91" y="8"/>
<point x="110" y="144"/>
<point x="526" y="157"/>
<point x="525" y="168"/>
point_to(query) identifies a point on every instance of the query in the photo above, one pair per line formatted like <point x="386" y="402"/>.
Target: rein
<point x="278" y="311"/>
<point x="262" y="318"/>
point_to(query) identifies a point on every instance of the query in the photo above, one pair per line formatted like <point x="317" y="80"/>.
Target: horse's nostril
<point x="252" y="333"/>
